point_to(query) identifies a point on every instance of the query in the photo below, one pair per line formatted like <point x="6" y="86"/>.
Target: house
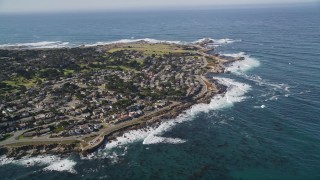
<point x="40" y="116"/>
<point x="10" y="110"/>
<point x="25" y="114"/>
<point x="27" y="120"/>
<point x="43" y="131"/>
<point x="4" y="124"/>
<point x="87" y="131"/>
<point x="86" y="115"/>
<point x="123" y="118"/>
<point x="160" y="104"/>
<point x="47" y="121"/>
<point x="97" y="126"/>
<point x="23" y="125"/>
<point x="30" y="134"/>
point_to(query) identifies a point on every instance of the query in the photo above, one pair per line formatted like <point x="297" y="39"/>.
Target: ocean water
<point x="267" y="125"/>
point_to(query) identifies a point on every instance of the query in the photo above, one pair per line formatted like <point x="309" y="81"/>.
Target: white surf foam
<point x="235" y="93"/>
<point x="60" y="44"/>
<point x="62" y="165"/>
<point x="157" y="140"/>
<point x="29" y="161"/>
<point x="273" y="90"/>
<point x="260" y="107"/>
<point x="216" y="42"/>
<point x="149" y="40"/>
<point x="36" y="45"/>
<point x="263" y="82"/>
<point x="153" y="135"/>
<point x="5" y="160"/>
<point x="53" y="163"/>
<point x="243" y="65"/>
<point x="39" y="160"/>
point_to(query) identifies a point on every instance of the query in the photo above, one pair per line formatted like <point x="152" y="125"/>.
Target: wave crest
<point x="216" y="42"/>
<point x="61" y="44"/>
<point x="53" y="163"/>
<point x="154" y="135"/>
<point x="37" y="45"/>
<point x="239" y="67"/>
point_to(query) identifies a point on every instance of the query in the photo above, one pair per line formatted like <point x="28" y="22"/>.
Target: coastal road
<point x="14" y="140"/>
<point x="99" y="139"/>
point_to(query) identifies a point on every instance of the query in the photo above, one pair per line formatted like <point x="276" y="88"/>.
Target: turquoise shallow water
<point x="267" y="128"/>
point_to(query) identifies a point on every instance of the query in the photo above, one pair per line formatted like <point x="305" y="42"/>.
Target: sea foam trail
<point x="39" y="160"/>
<point x="235" y="93"/>
<point x="217" y="42"/>
<point x="5" y="160"/>
<point x="153" y="135"/>
<point x="62" y="165"/>
<point x="243" y="65"/>
<point x="37" y="45"/>
<point x="52" y="163"/>
<point x="274" y="90"/>
<point x="149" y="40"/>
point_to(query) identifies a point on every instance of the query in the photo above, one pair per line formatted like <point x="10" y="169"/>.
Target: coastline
<point x="63" y="146"/>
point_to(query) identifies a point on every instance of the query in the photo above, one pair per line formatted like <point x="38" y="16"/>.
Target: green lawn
<point x="149" y="49"/>
<point x="68" y="71"/>
<point x="20" y="81"/>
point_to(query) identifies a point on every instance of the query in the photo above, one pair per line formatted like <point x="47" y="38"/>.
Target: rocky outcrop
<point x="3" y="151"/>
<point x="205" y="42"/>
<point x="33" y="150"/>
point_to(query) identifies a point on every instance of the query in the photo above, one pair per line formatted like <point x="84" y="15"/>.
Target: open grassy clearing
<point x="150" y="49"/>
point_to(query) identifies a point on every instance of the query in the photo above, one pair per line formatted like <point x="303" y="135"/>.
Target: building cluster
<point x="92" y="98"/>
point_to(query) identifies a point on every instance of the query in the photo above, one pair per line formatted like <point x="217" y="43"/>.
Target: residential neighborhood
<point x="77" y="91"/>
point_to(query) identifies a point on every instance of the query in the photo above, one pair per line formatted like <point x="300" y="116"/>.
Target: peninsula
<point x="57" y="101"/>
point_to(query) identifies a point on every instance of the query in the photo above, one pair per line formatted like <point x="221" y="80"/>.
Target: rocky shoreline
<point x="60" y="149"/>
<point x="164" y="116"/>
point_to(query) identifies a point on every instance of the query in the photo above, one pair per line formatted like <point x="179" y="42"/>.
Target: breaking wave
<point x="217" y="42"/>
<point x="239" y="67"/>
<point x="149" y="40"/>
<point x="273" y="91"/>
<point x="154" y="135"/>
<point x="62" y="165"/>
<point x="37" y="45"/>
<point x="60" y="44"/>
<point x="52" y="163"/>
<point x="5" y="160"/>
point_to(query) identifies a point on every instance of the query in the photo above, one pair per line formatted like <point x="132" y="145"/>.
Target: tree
<point x="22" y="88"/>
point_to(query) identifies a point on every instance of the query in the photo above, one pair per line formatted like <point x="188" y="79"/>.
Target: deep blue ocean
<point x="266" y="127"/>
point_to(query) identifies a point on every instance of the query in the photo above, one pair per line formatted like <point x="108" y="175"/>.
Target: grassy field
<point x="150" y="49"/>
<point x="211" y="60"/>
<point x="68" y="71"/>
<point x="20" y="81"/>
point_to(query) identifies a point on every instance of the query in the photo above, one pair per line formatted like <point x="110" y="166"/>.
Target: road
<point x="13" y="139"/>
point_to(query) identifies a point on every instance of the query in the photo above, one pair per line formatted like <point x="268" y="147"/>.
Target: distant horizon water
<point x="37" y="9"/>
<point x="266" y="126"/>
